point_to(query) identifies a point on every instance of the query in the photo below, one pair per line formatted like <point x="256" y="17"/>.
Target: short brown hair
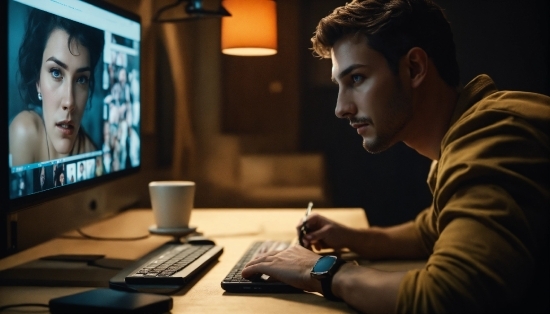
<point x="393" y="27"/>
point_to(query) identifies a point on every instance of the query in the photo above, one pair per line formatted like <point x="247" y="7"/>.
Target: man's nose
<point x="345" y="106"/>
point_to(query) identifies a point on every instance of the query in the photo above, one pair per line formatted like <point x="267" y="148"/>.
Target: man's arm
<point x="396" y="242"/>
<point x="368" y="290"/>
<point x="400" y="241"/>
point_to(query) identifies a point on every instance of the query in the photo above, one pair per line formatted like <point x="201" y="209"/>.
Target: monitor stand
<point x="64" y="270"/>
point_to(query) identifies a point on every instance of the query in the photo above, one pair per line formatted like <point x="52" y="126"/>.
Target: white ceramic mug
<point x="172" y="203"/>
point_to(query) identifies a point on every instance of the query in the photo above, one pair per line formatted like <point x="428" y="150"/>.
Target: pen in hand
<point x="303" y="229"/>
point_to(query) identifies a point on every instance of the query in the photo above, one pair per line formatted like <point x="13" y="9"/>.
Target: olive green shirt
<point x="487" y="229"/>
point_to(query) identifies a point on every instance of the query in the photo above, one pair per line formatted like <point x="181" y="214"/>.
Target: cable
<point x="9" y="306"/>
<point x="91" y="237"/>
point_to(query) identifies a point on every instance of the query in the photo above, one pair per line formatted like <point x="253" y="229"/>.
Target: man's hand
<point x="324" y="233"/>
<point x="291" y="266"/>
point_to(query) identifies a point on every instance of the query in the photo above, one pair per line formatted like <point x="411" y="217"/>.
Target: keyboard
<point x="170" y="266"/>
<point x="234" y="282"/>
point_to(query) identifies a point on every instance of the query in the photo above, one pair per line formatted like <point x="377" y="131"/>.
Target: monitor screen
<point x="73" y="95"/>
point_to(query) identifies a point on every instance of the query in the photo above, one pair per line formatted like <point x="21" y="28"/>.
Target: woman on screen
<point x="57" y="59"/>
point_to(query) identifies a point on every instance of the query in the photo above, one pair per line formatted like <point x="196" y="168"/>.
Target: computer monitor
<point x="70" y="115"/>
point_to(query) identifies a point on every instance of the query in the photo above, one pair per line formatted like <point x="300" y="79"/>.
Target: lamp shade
<point x="251" y="30"/>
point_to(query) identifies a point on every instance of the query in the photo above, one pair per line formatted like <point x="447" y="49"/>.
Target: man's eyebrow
<point x="64" y="66"/>
<point x="347" y="71"/>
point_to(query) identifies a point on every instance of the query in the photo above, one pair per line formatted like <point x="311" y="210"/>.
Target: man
<point x="485" y="236"/>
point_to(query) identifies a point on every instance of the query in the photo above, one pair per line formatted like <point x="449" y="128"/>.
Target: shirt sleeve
<point x="477" y="264"/>
<point x="486" y="223"/>
<point x="425" y="227"/>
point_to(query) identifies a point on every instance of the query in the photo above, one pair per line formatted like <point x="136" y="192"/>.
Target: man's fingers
<point x="317" y="235"/>
<point x="250" y="271"/>
<point x="254" y="266"/>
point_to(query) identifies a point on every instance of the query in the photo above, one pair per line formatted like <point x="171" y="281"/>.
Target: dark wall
<point x="261" y="94"/>
<point x="506" y="39"/>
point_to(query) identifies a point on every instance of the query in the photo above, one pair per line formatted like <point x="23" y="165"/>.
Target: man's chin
<point x="375" y="146"/>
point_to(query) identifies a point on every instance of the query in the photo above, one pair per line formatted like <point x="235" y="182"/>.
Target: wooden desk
<point x="234" y="229"/>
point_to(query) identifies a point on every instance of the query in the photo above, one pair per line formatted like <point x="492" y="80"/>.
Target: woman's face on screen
<point x="64" y="85"/>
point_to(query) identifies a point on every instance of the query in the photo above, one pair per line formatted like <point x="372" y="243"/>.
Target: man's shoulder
<point x="504" y="110"/>
<point x="515" y="103"/>
<point x="501" y="125"/>
<point x="481" y="98"/>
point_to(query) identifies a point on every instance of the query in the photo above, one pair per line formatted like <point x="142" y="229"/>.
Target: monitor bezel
<point x="17" y="215"/>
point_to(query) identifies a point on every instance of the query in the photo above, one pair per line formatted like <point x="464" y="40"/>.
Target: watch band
<point x="326" y="283"/>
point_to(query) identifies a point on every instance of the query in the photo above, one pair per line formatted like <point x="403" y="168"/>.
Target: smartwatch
<point x="323" y="270"/>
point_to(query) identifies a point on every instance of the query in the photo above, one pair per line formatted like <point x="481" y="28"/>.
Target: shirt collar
<point x="478" y="88"/>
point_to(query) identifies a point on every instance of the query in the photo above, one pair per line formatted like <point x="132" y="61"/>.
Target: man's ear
<point x="418" y="65"/>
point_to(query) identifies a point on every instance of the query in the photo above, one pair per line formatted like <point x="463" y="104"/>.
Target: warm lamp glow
<point x="251" y="30"/>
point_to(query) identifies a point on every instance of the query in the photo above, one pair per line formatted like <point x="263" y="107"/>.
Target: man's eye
<point x="356" y="78"/>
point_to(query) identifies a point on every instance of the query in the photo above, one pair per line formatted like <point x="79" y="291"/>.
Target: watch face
<point x="323" y="266"/>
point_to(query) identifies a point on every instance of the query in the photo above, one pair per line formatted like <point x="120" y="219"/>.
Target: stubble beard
<point x="400" y="112"/>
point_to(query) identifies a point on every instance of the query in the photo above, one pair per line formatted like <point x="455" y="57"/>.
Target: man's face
<point x="370" y="96"/>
